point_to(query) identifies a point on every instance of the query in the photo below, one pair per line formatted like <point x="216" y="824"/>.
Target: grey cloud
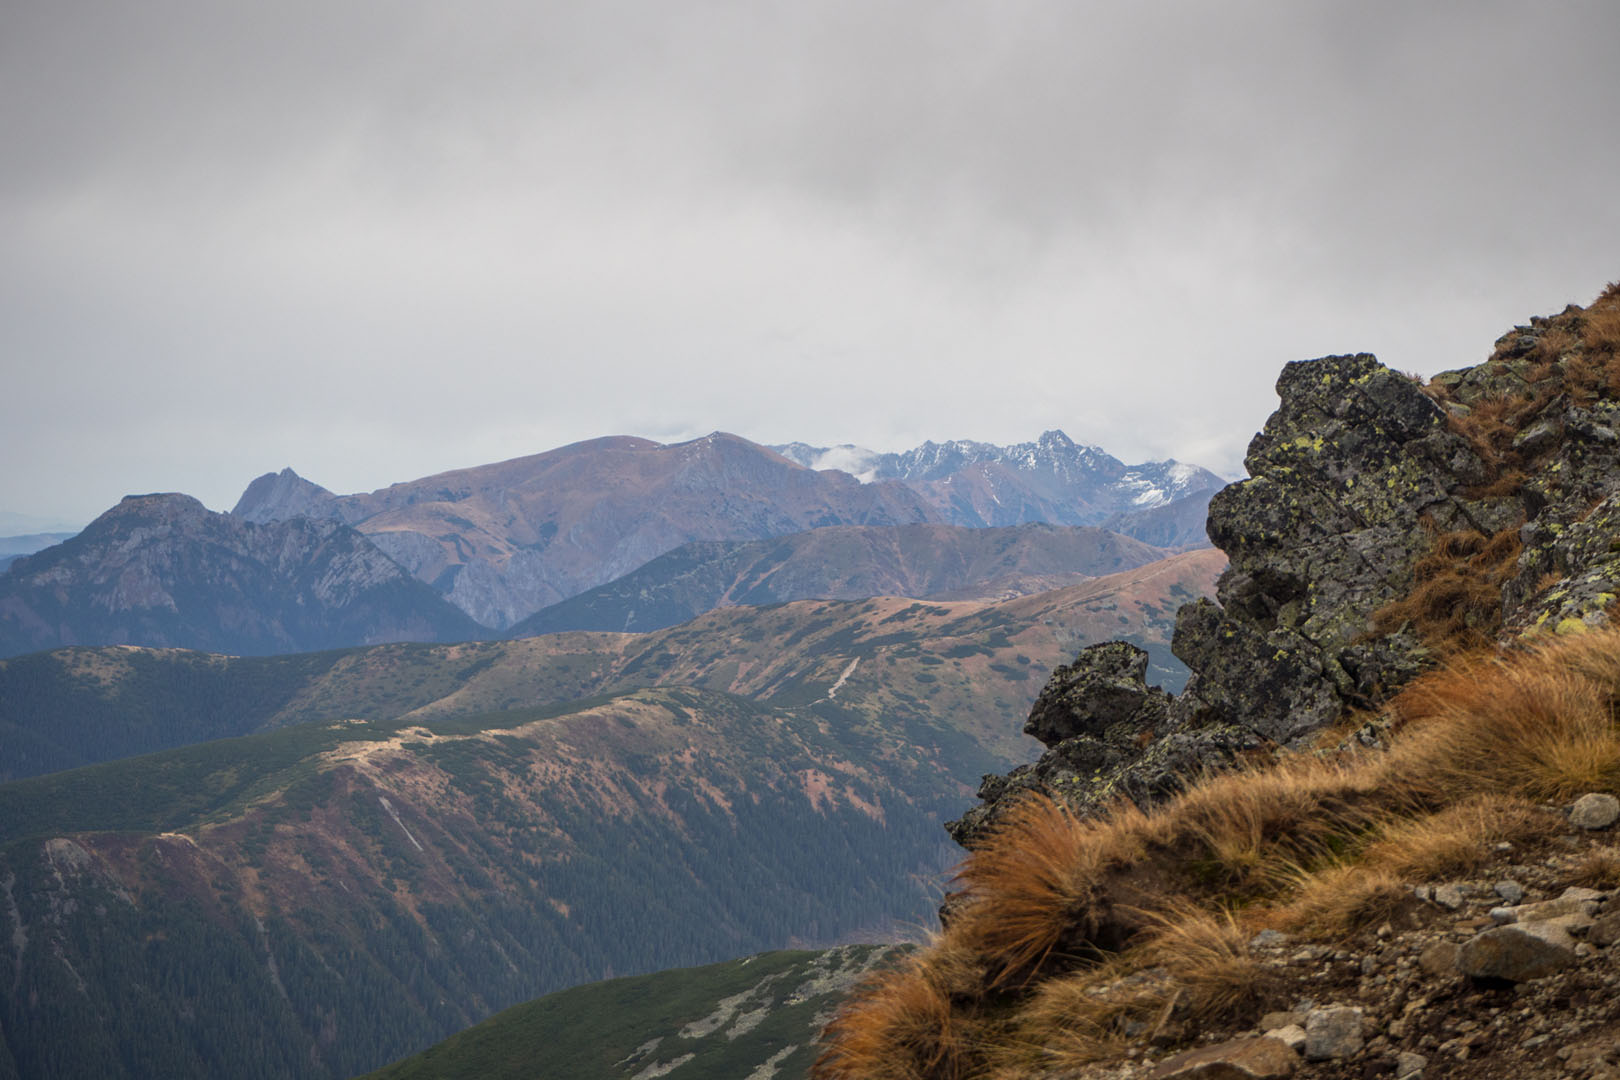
<point x="373" y="240"/>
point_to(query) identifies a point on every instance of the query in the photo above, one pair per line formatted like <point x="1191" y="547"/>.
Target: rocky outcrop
<point x="1360" y="476"/>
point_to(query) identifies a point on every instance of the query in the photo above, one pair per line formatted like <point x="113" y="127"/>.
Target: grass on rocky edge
<point x="1078" y="935"/>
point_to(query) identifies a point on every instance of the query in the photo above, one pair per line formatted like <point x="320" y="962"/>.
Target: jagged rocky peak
<point x="283" y="495"/>
<point x="1361" y="476"/>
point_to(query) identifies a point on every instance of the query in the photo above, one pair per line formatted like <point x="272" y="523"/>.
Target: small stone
<point x="1519" y="952"/>
<point x="1281" y="1020"/>
<point x="1510" y="891"/>
<point x="1595" y="811"/>
<point x="1241" y="1059"/>
<point x="1503" y="915"/>
<point x="1538" y="438"/>
<point x="1439" y="959"/>
<point x="1605" y="931"/>
<point x="1293" y="1035"/>
<point x="1576" y="892"/>
<point x="1409" y="1065"/>
<point x="1267" y="939"/>
<point x="1573" y="902"/>
<point x="1333" y="1032"/>
<point x="1449" y="896"/>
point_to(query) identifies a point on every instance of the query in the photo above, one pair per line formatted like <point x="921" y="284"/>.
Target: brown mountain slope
<point x="964" y="661"/>
<point x="843" y="562"/>
<point x="973" y="660"/>
<point x="319" y="899"/>
<point x="504" y="540"/>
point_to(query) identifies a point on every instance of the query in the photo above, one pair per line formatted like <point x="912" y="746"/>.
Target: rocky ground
<point x="1513" y="974"/>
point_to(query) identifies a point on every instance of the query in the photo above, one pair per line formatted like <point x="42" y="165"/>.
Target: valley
<point x="377" y="847"/>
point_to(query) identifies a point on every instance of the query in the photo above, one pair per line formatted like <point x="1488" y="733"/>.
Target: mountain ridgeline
<point x="614" y="533"/>
<point x="844" y="562"/>
<point x="162" y="570"/>
<point x="503" y="541"/>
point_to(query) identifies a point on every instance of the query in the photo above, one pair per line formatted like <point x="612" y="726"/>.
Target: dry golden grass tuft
<point x="1340" y="899"/>
<point x="1600" y="869"/>
<point x="1075" y="1019"/>
<point x="1037" y="873"/>
<point x="905" y="1023"/>
<point x="1206" y="956"/>
<point x="1456" y="840"/>
<point x="1455" y="603"/>
<point x="1539" y="724"/>
<point x="1061" y="909"/>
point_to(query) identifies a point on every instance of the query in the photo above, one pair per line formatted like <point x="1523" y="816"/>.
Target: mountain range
<point x="1052" y="479"/>
<point x="503" y="541"/>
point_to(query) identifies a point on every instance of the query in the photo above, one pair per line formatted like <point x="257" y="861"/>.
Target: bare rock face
<point x="284" y="495"/>
<point x="1334" y="1032"/>
<point x="1354" y="477"/>
<point x="1098" y="718"/>
<point x="1348" y="481"/>
<point x="1102" y="694"/>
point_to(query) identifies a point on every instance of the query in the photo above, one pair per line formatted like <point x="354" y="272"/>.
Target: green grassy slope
<point x="756" y="1016"/>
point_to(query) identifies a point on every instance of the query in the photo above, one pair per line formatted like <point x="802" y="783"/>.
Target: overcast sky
<point x="376" y="241"/>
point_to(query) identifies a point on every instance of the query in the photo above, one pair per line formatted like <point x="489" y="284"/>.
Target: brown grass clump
<point x="1082" y="932"/>
<point x="1540" y="724"/>
<point x="1341" y="899"/>
<point x="1600" y="869"/>
<point x="1455" y="604"/>
<point x="1250" y="828"/>
<point x="1078" y="1018"/>
<point x="1456" y="840"/>
<point x="1038" y="875"/>
<point x="903" y="1024"/>
<point x="1206" y="956"/>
